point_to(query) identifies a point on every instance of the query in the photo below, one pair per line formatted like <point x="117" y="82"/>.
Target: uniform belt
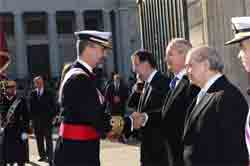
<point x="78" y="132"/>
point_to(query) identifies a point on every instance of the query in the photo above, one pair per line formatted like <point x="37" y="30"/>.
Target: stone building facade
<point x="40" y="33"/>
<point x="210" y="24"/>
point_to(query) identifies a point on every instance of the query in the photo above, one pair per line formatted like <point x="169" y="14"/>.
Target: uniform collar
<point x="85" y="65"/>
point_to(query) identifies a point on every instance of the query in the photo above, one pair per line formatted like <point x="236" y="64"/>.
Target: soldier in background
<point x="15" y="123"/>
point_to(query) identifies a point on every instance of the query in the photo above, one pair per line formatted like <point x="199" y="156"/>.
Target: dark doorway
<point x="38" y="60"/>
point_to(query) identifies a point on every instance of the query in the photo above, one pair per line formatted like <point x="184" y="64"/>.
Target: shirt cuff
<point x="131" y="120"/>
<point x="145" y="120"/>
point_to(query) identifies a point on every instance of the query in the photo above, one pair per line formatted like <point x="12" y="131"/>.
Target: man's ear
<point x="207" y="65"/>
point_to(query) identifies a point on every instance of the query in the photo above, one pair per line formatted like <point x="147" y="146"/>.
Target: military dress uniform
<point x="83" y="115"/>
<point x="15" y="138"/>
<point x="241" y="29"/>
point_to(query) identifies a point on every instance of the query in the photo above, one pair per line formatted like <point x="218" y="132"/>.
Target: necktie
<point x="173" y="82"/>
<point x="200" y="95"/>
<point x="146" y="91"/>
<point x="142" y="97"/>
<point x="39" y="94"/>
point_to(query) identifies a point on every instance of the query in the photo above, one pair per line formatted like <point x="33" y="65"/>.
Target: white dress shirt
<point x="209" y="83"/>
<point x="40" y="91"/>
<point x="85" y="65"/>
<point x="180" y="76"/>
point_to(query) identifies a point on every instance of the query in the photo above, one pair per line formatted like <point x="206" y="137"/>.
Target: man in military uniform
<point x="241" y="28"/>
<point x="15" y="125"/>
<point x="84" y="121"/>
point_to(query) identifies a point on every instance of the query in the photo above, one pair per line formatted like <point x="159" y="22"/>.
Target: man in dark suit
<point x="84" y="120"/>
<point x="177" y="101"/>
<point x="42" y="109"/>
<point x="214" y="128"/>
<point x="116" y="96"/>
<point x="148" y="105"/>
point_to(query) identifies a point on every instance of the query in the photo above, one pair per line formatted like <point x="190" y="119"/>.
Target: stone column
<point x="124" y="54"/>
<point x="53" y="45"/>
<point x="109" y="64"/>
<point x="21" y="50"/>
<point x="217" y="27"/>
<point x="79" y="21"/>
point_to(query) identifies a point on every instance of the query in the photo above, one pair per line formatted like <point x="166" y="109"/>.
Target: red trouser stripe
<point x="78" y="132"/>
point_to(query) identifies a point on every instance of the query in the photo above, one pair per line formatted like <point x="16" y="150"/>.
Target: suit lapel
<point x="173" y="94"/>
<point x="196" y="111"/>
<point x="219" y="84"/>
<point x="142" y="102"/>
<point x="147" y="95"/>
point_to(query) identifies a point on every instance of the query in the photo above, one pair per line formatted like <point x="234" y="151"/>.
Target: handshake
<point x="138" y="120"/>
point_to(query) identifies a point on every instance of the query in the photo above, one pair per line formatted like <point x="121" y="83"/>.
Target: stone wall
<point x="127" y="30"/>
<point x="210" y="24"/>
<point x="195" y="21"/>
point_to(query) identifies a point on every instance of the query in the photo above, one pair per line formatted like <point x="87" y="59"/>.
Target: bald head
<point x="209" y="54"/>
<point x="202" y="63"/>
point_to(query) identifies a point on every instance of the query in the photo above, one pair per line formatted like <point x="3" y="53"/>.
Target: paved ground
<point x="112" y="154"/>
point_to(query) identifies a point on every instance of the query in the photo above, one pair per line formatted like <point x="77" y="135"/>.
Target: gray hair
<point x="210" y="54"/>
<point x="181" y="45"/>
